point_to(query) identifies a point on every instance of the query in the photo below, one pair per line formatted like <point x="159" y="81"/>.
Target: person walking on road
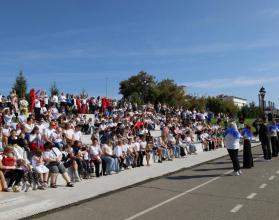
<point x="247" y="152"/>
<point x="273" y="138"/>
<point x="264" y="139"/>
<point x="231" y="141"/>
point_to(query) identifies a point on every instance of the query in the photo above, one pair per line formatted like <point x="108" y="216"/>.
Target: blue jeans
<point x="129" y="160"/>
<point x="176" y="151"/>
<point x="165" y="153"/>
<point x="116" y="167"/>
<point x="109" y="164"/>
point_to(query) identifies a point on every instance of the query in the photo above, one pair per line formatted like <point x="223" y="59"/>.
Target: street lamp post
<point x="262" y="93"/>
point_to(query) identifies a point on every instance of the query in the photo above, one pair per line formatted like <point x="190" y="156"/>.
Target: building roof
<point x="227" y="96"/>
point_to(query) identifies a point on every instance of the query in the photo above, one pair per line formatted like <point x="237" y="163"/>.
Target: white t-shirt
<point x="143" y="145"/>
<point x="55" y="99"/>
<point x="118" y="151"/>
<point x="19" y="152"/>
<point x="95" y="150"/>
<point x="125" y="148"/>
<point x="28" y="127"/>
<point x="52" y="154"/>
<point x="56" y="138"/>
<point x="49" y="132"/>
<point x="136" y="146"/>
<point x="77" y="136"/>
<point x="63" y="98"/>
<point x="46" y="99"/>
<point x="69" y="133"/>
<point x="35" y="138"/>
<point x="37" y="103"/>
<point x="54" y="113"/>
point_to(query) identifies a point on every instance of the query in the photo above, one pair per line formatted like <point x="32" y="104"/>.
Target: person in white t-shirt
<point x="37" y="108"/>
<point x="52" y="157"/>
<point x="46" y="100"/>
<point x="48" y="132"/>
<point x="77" y="134"/>
<point x="55" y="100"/>
<point x="63" y="100"/>
<point x="118" y="152"/>
<point x="68" y="132"/>
<point x="136" y="147"/>
<point x="96" y="154"/>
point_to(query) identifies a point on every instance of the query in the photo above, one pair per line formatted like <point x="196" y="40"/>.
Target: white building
<point x="240" y="102"/>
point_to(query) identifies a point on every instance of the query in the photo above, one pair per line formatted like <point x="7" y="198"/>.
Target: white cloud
<point x="231" y="82"/>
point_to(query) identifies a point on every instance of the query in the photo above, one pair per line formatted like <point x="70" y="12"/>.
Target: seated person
<point x="52" y="157"/>
<point x="8" y="165"/>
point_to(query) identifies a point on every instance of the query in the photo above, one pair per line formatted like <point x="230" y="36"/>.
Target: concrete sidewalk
<point x="20" y="205"/>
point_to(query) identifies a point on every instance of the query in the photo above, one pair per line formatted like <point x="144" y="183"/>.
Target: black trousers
<point x="274" y="146"/>
<point x="266" y="149"/>
<point x="234" y="157"/>
<point x="15" y="177"/>
<point x="140" y="158"/>
<point x="121" y="162"/>
<point x="37" y="113"/>
<point x="247" y="155"/>
<point x="97" y="167"/>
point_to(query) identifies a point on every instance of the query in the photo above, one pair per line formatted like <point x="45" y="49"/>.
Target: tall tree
<point x="139" y="88"/>
<point x="20" y="85"/>
<point x="83" y="93"/>
<point x="170" y="93"/>
<point x="54" y="90"/>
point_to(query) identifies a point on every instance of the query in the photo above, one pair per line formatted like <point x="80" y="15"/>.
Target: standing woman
<point x="247" y="152"/>
<point x="231" y="140"/>
<point x="273" y="129"/>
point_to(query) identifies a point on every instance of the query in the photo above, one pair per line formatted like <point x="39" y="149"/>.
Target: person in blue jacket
<point x="247" y="151"/>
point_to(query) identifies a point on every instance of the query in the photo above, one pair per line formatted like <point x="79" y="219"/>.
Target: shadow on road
<point x="221" y="168"/>
<point x="222" y="162"/>
<point x="191" y="177"/>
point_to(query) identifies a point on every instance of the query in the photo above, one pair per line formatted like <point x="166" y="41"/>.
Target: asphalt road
<point x="203" y="192"/>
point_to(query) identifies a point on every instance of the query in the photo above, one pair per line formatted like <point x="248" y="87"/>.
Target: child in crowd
<point x="40" y="168"/>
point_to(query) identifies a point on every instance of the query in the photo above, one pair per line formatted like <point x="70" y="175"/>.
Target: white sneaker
<point x="235" y="173"/>
<point x="240" y="172"/>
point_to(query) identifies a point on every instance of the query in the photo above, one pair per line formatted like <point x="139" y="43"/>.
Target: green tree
<point x="251" y="111"/>
<point x="54" y="90"/>
<point x="170" y="93"/>
<point x="214" y="105"/>
<point x="139" y="88"/>
<point x="20" y="85"/>
<point x="218" y="105"/>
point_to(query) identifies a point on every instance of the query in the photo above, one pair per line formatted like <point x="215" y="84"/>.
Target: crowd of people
<point x="44" y="137"/>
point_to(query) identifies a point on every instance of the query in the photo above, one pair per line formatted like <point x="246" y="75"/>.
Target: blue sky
<point x="213" y="47"/>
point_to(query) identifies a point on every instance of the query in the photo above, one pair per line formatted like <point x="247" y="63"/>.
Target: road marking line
<point x="272" y="178"/>
<point x="263" y="186"/>
<point x="236" y="208"/>
<point x="176" y="197"/>
<point x="277" y="172"/>
<point x="251" y="196"/>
